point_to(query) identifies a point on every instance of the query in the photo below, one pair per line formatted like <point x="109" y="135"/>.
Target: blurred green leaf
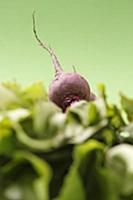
<point x="74" y="180"/>
<point x="14" y="87"/>
<point x="84" y="112"/>
<point x="120" y="159"/>
<point x="36" y="187"/>
<point x="126" y="134"/>
<point x="127" y="105"/>
<point x="48" y="154"/>
<point x="43" y="112"/>
<point x="7" y="97"/>
<point x="73" y="188"/>
<point x="35" y="92"/>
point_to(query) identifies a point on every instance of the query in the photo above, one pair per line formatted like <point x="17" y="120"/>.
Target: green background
<point x="96" y="36"/>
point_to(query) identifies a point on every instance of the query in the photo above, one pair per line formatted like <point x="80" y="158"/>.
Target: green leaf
<point x="41" y="184"/>
<point x="84" y="112"/>
<point x="120" y="159"/>
<point x="127" y="105"/>
<point x="43" y="112"/>
<point x="29" y="185"/>
<point x="7" y="97"/>
<point x="73" y="188"/>
<point x="7" y="139"/>
<point x="47" y="154"/>
<point x="45" y="145"/>
<point x="126" y="134"/>
<point x="77" y="134"/>
<point x="8" y="145"/>
<point x="14" y="115"/>
<point x="101" y="90"/>
<point x="14" y="87"/>
<point x="35" y="92"/>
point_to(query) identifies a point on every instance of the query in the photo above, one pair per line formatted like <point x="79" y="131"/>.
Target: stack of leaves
<point x="85" y="153"/>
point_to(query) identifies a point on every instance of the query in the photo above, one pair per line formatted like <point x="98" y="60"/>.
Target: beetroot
<point x="66" y="88"/>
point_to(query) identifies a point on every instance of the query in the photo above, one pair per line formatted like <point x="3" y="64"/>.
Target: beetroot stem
<point x="57" y="66"/>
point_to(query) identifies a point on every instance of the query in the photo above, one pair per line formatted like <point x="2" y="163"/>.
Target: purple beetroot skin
<point x="66" y="88"/>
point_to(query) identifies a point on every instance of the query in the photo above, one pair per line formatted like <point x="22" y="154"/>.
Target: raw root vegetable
<point x="67" y="87"/>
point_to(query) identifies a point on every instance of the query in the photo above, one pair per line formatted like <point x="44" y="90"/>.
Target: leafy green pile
<point x="85" y="153"/>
